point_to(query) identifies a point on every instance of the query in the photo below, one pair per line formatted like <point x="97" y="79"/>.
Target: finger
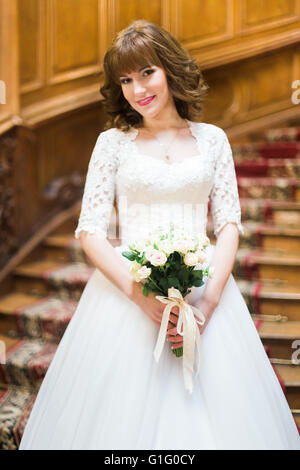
<point x="173" y="318"/>
<point x="175" y="311"/>
<point x="172" y="331"/>
<point x="175" y="339"/>
<point x="199" y="320"/>
<point x="176" y="346"/>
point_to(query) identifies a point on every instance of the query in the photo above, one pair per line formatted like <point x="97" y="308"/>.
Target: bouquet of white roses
<point x="170" y="262"/>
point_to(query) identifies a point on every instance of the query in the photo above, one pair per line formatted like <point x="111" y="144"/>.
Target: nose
<point x="139" y="89"/>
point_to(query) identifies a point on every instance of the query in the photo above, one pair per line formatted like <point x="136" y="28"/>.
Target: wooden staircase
<point x="45" y="289"/>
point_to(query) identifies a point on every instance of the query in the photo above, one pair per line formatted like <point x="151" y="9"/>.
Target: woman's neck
<point x="162" y="125"/>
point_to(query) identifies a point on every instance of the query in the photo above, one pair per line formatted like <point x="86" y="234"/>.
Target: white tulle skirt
<point x="104" y="390"/>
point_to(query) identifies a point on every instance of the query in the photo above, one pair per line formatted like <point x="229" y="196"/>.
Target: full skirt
<point x="104" y="390"/>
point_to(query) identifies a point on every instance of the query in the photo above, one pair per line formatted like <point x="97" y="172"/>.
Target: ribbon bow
<point x="190" y="333"/>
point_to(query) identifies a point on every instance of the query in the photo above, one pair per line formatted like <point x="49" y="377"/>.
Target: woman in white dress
<point x="103" y="389"/>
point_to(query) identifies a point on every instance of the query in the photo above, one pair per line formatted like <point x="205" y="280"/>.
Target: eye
<point x="123" y="81"/>
<point x="149" y="70"/>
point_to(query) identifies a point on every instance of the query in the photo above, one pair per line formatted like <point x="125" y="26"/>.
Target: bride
<point x="103" y="389"/>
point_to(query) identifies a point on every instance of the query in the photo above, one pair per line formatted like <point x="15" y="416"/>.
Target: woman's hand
<point x="206" y="306"/>
<point x="151" y="306"/>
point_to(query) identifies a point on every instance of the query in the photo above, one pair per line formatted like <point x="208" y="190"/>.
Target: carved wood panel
<point x="8" y="203"/>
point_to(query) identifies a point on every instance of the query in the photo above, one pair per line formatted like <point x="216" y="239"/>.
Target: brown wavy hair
<point x="142" y="44"/>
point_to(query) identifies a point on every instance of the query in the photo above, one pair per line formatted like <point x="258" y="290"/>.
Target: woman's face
<point x="146" y="90"/>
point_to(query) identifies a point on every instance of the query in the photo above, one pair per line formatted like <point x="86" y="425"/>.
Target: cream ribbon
<point x="191" y="334"/>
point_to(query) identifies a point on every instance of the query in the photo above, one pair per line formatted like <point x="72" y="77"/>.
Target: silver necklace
<point x="166" y="156"/>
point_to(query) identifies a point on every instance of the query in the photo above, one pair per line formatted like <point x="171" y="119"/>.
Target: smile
<point x="146" y="101"/>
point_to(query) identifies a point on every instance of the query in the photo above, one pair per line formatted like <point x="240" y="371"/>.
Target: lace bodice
<point x="150" y="192"/>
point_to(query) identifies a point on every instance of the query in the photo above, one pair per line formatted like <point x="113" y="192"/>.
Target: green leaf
<point x="164" y="283"/>
<point x="145" y="290"/>
<point x="197" y="274"/>
<point x="198" y="283"/>
<point x="129" y="255"/>
<point x="174" y="282"/>
<point x="183" y="275"/>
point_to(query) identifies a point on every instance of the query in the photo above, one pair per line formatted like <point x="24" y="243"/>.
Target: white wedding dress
<point x="103" y="389"/>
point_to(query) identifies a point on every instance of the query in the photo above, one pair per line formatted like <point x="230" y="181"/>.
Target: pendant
<point x="167" y="157"/>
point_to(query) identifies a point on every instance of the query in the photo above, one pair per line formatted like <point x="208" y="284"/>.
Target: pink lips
<point x="144" y="103"/>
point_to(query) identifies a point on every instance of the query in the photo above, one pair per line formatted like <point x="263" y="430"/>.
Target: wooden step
<point x="46" y="277"/>
<point x="253" y="150"/>
<point x="267" y="265"/>
<point x="281" y="338"/>
<point x="269" y="236"/>
<point x="66" y="248"/>
<point x="285" y="134"/>
<point x="26" y="361"/>
<point x="280" y="189"/>
<point x="290" y="374"/>
<point x="271" y="167"/>
<point x="267" y="210"/>
<point x="274" y="237"/>
<point x="33" y="317"/>
<point x="271" y="298"/>
<point x="296" y="416"/>
<point x="278" y="149"/>
<point x="15" y="407"/>
<point x="9" y="306"/>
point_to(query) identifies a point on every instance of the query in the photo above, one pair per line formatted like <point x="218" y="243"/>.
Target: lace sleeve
<point x="99" y="190"/>
<point x="224" y="197"/>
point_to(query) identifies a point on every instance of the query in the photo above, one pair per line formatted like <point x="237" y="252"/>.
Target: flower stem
<point x="160" y="290"/>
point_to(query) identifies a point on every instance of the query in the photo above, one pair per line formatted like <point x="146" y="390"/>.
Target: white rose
<point x="181" y="246"/>
<point x="142" y="273"/>
<point x="191" y="259"/>
<point x="135" y="267"/>
<point x="156" y="257"/>
<point x="166" y="246"/>
<point x="190" y="244"/>
<point x="201" y="256"/>
<point x="203" y="240"/>
<point x="198" y="266"/>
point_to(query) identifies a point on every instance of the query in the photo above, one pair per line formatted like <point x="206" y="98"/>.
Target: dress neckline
<point x="192" y="127"/>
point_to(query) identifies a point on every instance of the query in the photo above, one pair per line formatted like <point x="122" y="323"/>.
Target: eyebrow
<point x="146" y="66"/>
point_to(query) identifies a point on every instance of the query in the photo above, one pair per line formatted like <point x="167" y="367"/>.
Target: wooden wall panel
<point x="261" y="16"/>
<point x="62" y="42"/>
<point x="74" y="39"/>
<point x="65" y="145"/>
<point x="31" y="24"/>
<point x="130" y="10"/>
<point x="199" y="24"/>
<point x="9" y="84"/>
<point x="223" y="31"/>
<point x="248" y="94"/>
